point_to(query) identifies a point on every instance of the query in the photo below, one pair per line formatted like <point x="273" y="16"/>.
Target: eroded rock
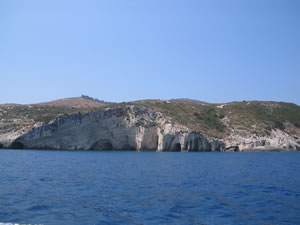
<point x="136" y="128"/>
<point x="126" y="128"/>
<point x="217" y="146"/>
<point x="196" y="142"/>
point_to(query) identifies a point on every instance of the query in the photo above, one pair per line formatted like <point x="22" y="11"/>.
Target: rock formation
<point x="133" y="127"/>
<point x="126" y="128"/>
<point x="217" y="146"/>
<point x="241" y="141"/>
<point x="195" y="142"/>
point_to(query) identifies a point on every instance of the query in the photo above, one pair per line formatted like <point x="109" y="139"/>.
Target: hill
<point x="215" y="120"/>
<point x="77" y="102"/>
<point x="245" y="124"/>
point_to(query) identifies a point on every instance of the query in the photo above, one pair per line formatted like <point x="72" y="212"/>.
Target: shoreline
<point x="183" y="151"/>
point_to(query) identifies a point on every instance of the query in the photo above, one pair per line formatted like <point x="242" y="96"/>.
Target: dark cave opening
<point x="17" y="145"/>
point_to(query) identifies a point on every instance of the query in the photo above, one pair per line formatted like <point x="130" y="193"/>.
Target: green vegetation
<point x="38" y="113"/>
<point x="196" y="116"/>
<point x="266" y="114"/>
<point x="214" y="120"/>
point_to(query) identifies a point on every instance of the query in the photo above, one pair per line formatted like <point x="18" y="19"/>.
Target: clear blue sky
<point x="122" y="50"/>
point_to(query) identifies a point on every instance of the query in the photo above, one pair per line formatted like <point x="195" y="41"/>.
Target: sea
<point x="127" y="187"/>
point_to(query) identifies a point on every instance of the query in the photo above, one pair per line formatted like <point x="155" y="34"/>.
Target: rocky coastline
<point x="136" y="128"/>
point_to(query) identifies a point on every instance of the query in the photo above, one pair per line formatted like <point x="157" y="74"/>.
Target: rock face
<point x="245" y="141"/>
<point x="173" y="142"/>
<point x="195" y="142"/>
<point x="126" y="128"/>
<point x="217" y="146"/>
<point x="135" y="128"/>
<point x="6" y="138"/>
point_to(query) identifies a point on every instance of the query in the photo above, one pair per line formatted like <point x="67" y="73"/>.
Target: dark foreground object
<point x="64" y="187"/>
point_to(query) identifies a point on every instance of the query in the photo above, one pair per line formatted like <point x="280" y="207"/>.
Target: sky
<point x="122" y="50"/>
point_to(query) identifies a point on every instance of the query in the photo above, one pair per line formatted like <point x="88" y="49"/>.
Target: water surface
<point x="111" y="187"/>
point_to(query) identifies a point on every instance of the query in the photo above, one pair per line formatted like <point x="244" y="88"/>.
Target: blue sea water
<point x="113" y="187"/>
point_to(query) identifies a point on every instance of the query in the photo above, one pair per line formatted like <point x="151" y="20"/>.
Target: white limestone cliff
<point x="126" y="128"/>
<point x="135" y="128"/>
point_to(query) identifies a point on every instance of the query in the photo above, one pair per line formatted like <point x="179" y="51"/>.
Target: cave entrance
<point x="17" y="145"/>
<point x="177" y="147"/>
<point x="107" y="146"/>
<point x="102" y="144"/>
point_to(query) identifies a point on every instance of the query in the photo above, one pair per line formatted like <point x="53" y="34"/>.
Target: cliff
<point x="125" y="128"/>
<point x="153" y="125"/>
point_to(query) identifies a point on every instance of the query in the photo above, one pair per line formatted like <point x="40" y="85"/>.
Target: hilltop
<point x="76" y="102"/>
